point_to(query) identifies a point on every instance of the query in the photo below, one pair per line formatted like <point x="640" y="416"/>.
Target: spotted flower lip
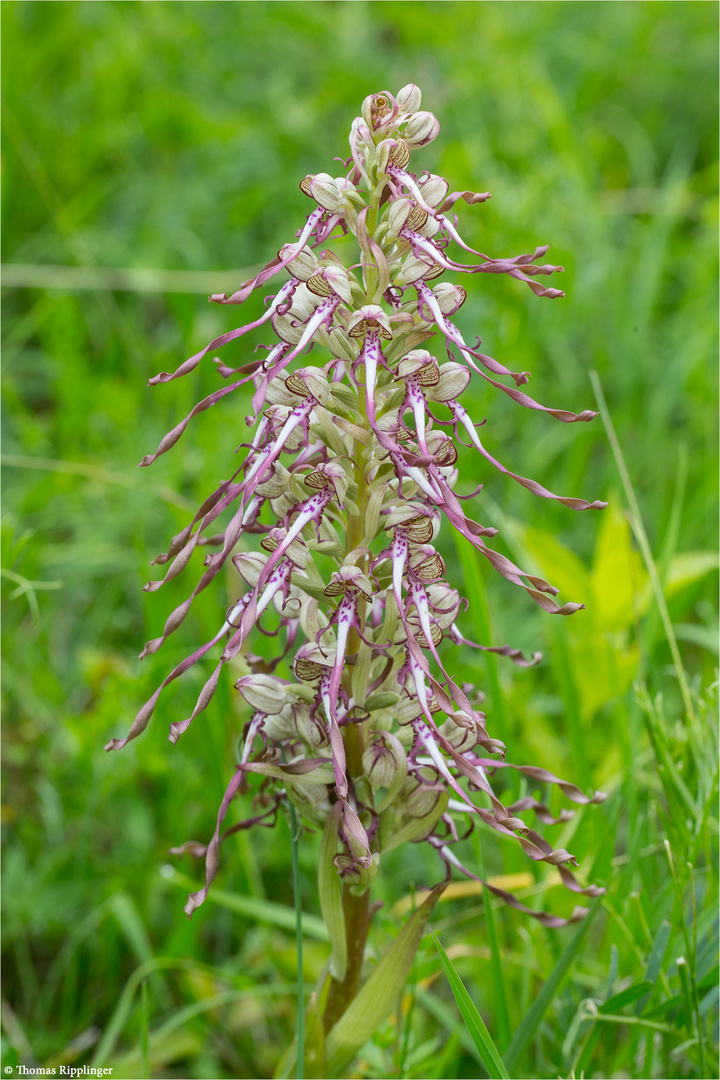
<point x="343" y="487"/>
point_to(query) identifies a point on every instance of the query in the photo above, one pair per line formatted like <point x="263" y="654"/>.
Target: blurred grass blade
<point x="473" y="1020"/>
<point x="123" y="1008"/>
<point x="625" y="997"/>
<point x="496" y="961"/>
<point x="448" y="1018"/>
<point x="93" y="472"/>
<point x="636" y="523"/>
<point x="125" y="911"/>
<point x="537" y="1010"/>
<point x="121" y="279"/>
<point x="144" y="1045"/>
<point x="252" y="907"/>
<point x="655" y="959"/>
<point x="378" y="996"/>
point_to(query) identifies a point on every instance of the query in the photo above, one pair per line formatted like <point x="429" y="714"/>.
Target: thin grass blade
<point x="473" y="1020"/>
<point x="537" y="1010"/>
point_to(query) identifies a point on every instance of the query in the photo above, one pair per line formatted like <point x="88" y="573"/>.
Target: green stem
<point x="357" y="923"/>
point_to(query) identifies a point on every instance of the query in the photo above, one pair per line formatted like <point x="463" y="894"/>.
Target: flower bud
<point x="420" y="793"/>
<point x="279" y="726"/>
<point x="367" y="110"/>
<point x="392" y="152"/>
<point x="408" y="710"/>
<point x="409" y="98"/>
<point x="382" y="763"/>
<point x="277" y="484"/>
<point x="426" y="563"/>
<point x="385" y="699"/>
<point x="434" y="189"/>
<point x="461" y="739"/>
<point x="351" y="576"/>
<point x="369" y="317"/>
<point x="309" y="797"/>
<point x="421" y="364"/>
<point x="329" y="473"/>
<point x="332" y="280"/>
<point x="454" y="378"/>
<point x="414" y="269"/>
<point x="310" y="662"/>
<point x="264" y="693"/>
<point x="327" y="191"/>
<point x="309" y="381"/>
<point x="446" y="603"/>
<point x="250" y="565"/>
<point x="304" y="265"/>
<point x="449" y="297"/>
<point x="277" y="392"/>
<point x="361" y="138"/>
<point x="310" y="731"/>
<point x="420" y="130"/>
<point x="277" y="415"/>
<point x="283" y="504"/>
<point x="288" y="326"/>
<point x="442" y="448"/>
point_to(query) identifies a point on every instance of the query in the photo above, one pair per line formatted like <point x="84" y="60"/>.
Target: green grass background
<point x="172" y="136"/>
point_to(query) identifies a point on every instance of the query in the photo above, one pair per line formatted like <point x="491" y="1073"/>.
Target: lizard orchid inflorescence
<point x="352" y="466"/>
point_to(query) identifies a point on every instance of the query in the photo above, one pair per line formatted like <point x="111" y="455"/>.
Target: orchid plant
<point x="353" y="465"/>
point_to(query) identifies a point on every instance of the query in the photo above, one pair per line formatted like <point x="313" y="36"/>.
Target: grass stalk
<point x="144" y="1042"/>
<point x="531" y="1019"/>
<point x="502" y="1017"/>
<point x="638" y="528"/>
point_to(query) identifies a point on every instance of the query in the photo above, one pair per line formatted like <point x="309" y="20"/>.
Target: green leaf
<point x="689" y="566"/>
<point x="473" y="1020"/>
<point x="558" y="564"/>
<point x="618" y="575"/>
<point x="537" y="1010"/>
<point x="379" y="994"/>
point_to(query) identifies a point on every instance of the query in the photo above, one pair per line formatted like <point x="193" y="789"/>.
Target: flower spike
<point x="357" y="719"/>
